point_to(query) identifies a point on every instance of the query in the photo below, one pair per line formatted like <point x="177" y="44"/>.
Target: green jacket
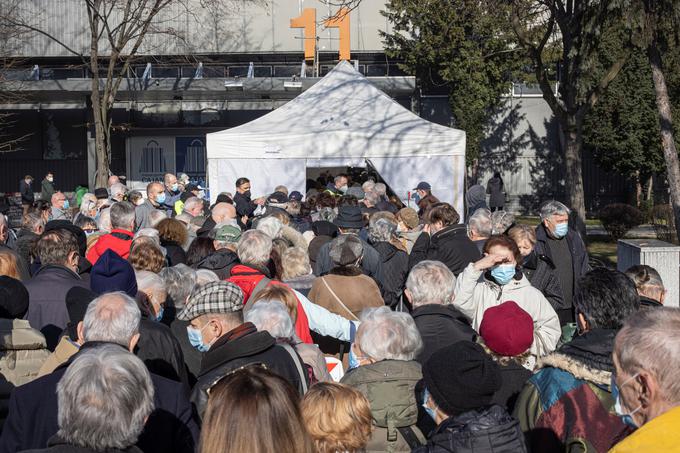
<point x="390" y="388"/>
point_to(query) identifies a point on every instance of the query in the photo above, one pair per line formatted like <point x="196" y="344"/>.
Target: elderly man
<point x="215" y="312"/>
<point x="117" y="192"/>
<point x="480" y="228"/>
<point x="222" y="213"/>
<point x="569" y="400"/>
<point x="32" y="227"/>
<point x="113" y="179"/>
<point x="155" y="200"/>
<point x="225" y="241"/>
<point x="564" y="246"/>
<point x="383" y="204"/>
<point x="113" y="319"/>
<point x="429" y="288"/>
<point x="649" y="285"/>
<point x="193" y="206"/>
<point x="645" y="386"/>
<point x="252" y="275"/>
<point x="60" y="206"/>
<point x="339" y="185"/>
<point x="120" y="237"/>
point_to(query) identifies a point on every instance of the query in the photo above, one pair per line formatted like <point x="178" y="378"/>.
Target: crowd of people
<point x="328" y="322"/>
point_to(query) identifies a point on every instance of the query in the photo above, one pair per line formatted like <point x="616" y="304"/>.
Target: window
<point x="153" y="158"/>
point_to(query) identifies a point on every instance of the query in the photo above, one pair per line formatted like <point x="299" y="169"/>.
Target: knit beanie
<point x="112" y="273"/>
<point x="507" y="329"/>
<point x="461" y="377"/>
<point x="13" y="298"/>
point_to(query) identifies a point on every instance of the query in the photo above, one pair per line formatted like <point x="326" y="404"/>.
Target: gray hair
<point x="272" y="316"/>
<point x="295" y="263"/>
<point x="192" y="203"/>
<point x="104" y="399"/>
<point x="381" y="229"/>
<point x="122" y="215"/>
<point x="148" y="281"/>
<point x="371" y="198"/>
<point x="254" y="247"/>
<point x="647" y="280"/>
<point x="104" y="222"/>
<point x="501" y="221"/>
<point x="156" y="216"/>
<point x="388" y="335"/>
<point x="368" y="186"/>
<point x="117" y="189"/>
<point x="380" y="189"/>
<point x="149" y="233"/>
<point x="343" y="243"/>
<point x="650" y="340"/>
<point x="179" y="282"/>
<point x="32" y="221"/>
<point x="87" y="203"/>
<point x="271" y="226"/>
<point x="327" y="214"/>
<point x="431" y="282"/>
<point x="480" y="222"/>
<point x="553" y="207"/>
<point x="204" y="276"/>
<point x="112" y="317"/>
<point x="338" y="178"/>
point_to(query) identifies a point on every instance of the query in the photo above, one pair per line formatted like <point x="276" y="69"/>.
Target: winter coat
<point x="496" y="190"/>
<point x="238" y="348"/>
<point x="117" y="240"/>
<point x="389" y="386"/>
<point x="206" y="228"/>
<point x="474" y="296"/>
<point x="312" y="356"/>
<point x="244" y="206"/>
<point x="247" y="278"/>
<point x="160" y="351"/>
<point x="293" y="236"/>
<point x="395" y="270"/>
<point x="658" y="434"/>
<point x="220" y="262"/>
<point x="371" y="263"/>
<point x="6" y="389"/>
<point x="47" y="300"/>
<point x="475" y="198"/>
<point x="47" y="190"/>
<point x="425" y="203"/>
<point x="192" y="356"/>
<point x="487" y="430"/>
<point x="302" y="283"/>
<point x="27" y="196"/>
<point x="513" y="378"/>
<point x="567" y="404"/>
<point x="440" y="326"/>
<point x="57" y="445"/>
<point x="142" y="213"/>
<point x="59" y="214"/>
<point x="540" y="270"/>
<point x="26" y="239"/>
<point x="451" y="246"/>
<point x="22" y="351"/>
<point x="170" y="200"/>
<point x="355" y="290"/>
<point x="65" y="349"/>
<point x="32" y="420"/>
<point x="175" y="253"/>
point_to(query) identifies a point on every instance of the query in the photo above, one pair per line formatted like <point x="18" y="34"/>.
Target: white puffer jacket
<point x="474" y="294"/>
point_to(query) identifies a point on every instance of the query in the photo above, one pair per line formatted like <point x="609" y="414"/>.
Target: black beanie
<point x="461" y="377"/>
<point x="13" y="298"/>
<point x="77" y="301"/>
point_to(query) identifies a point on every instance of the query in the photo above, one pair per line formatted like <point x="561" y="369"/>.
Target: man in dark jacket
<point x="568" y="402"/>
<point x="215" y="312"/>
<point x="47" y="187"/>
<point x="26" y="190"/>
<point x="221" y="213"/>
<point x="429" y="288"/>
<point x="443" y="239"/>
<point x="31" y="228"/>
<point x="565" y="248"/>
<point x="424" y="198"/>
<point x="244" y="205"/>
<point x="59" y="256"/>
<point x="224" y="258"/>
<point x="33" y="407"/>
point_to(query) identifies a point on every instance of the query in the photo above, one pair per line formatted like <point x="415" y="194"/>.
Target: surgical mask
<point x="175" y="187"/>
<point x="159" y="316"/>
<point x="66" y="204"/>
<point x="246" y="194"/>
<point x="90" y="232"/>
<point x="344" y="188"/>
<point x="160" y="199"/>
<point x="431" y="412"/>
<point x="50" y="179"/>
<point x="561" y="230"/>
<point x="626" y="418"/>
<point x="353" y="361"/>
<point x="196" y="339"/>
<point x="201" y="194"/>
<point x="416" y="198"/>
<point x="400" y="229"/>
<point x="503" y="273"/>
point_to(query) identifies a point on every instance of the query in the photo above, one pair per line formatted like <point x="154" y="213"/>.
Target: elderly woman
<point x="480" y="227"/>
<point x="538" y="268"/>
<point x="297" y="270"/>
<point x="273" y="316"/>
<point x="382" y="234"/>
<point x="497" y="278"/>
<point x="152" y="294"/>
<point x="145" y="255"/>
<point x="346" y="291"/>
<point x="173" y="235"/>
<point x="383" y="368"/>
<point x="648" y="284"/>
<point x="88" y="207"/>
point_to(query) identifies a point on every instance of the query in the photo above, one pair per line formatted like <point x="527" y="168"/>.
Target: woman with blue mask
<point x="153" y="288"/>
<point x="497" y="278"/>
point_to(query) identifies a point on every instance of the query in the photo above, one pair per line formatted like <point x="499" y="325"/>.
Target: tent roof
<point x="342" y="115"/>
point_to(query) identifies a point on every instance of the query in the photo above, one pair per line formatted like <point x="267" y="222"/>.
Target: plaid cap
<point x="213" y="297"/>
<point x="227" y="233"/>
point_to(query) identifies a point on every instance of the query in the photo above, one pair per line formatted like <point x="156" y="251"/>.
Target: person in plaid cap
<point x="215" y="314"/>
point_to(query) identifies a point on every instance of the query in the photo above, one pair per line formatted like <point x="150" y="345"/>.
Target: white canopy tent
<point x="342" y="120"/>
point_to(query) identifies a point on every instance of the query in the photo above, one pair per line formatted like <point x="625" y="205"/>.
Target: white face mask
<point x="50" y="178"/>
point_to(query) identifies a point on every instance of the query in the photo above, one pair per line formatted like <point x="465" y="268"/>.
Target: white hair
<point x="380" y="189"/>
<point x="104" y="399"/>
<point x="149" y="282"/>
<point x="191" y="203"/>
<point x="430" y="282"/>
<point x="381" y="229"/>
<point x="204" y="276"/>
<point x="104" y="221"/>
<point x="272" y="316"/>
<point x="156" y="216"/>
<point x="122" y="215"/>
<point x="179" y="282"/>
<point x="87" y="203"/>
<point x="254" y="247"/>
<point x="480" y="222"/>
<point x="368" y="186"/>
<point x="117" y="189"/>
<point x="552" y="207"/>
<point x="271" y="226"/>
<point x="387" y="335"/>
<point x="149" y="233"/>
<point x="105" y="321"/>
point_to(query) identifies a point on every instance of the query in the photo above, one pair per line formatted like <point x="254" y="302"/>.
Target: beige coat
<point x="22" y="351"/>
<point x="356" y="292"/>
<point x="62" y="353"/>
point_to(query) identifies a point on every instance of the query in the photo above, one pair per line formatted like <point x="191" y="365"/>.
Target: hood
<point x="475" y="195"/>
<point x="448" y="311"/>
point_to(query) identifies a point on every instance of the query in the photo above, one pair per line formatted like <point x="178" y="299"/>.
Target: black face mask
<point x="246" y="194"/>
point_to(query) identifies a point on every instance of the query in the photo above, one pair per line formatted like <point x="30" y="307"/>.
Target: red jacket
<point x="118" y="240"/>
<point x="247" y="279"/>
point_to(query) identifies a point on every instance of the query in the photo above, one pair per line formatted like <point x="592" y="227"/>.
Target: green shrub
<point x="618" y="218"/>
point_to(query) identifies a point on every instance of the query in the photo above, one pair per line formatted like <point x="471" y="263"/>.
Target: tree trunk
<point x="650" y="189"/>
<point x="101" y="134"/>
<point x="638" y="189"/>
<point x="670" y="152"/>
<point x="573" y="148"/>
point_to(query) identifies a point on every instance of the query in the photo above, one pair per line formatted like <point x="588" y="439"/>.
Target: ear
<point x="407" y="293"/>
<point x="133" y="342"/>
<point x="662" y="296"/>
<point x="80" y="332"/>
<point x="582" y="322"/>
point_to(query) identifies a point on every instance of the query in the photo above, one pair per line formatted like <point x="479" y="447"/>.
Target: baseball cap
<point x="422" y="185"/>
<point x="213" y="297"/>
<point x="227" y="233"/>
<point x="295" y="196"/>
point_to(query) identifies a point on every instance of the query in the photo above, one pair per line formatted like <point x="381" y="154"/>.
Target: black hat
<point x="422" y="185"/>
<point x="77" y="300"/>
<point x="13" y="298"/>
<point x="190" y="187"/>
<point x="295" y="196"/>
<point x="101" y="193"/>
<point x="277" y="198"/>
<point x="76" y="231"/>
<point x="324" y="228"/>
<point x="461" y="377"/>
<point x="349" y="217"/>
<point x="224" y="198"/>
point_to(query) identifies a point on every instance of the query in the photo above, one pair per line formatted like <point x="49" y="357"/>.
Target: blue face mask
<point x="196" y="339"/>
<point x="416" y="198"/>
<point x="160" y="199"/>
<point x="561" y="230"/>
<point x="431" y="412"/>
<point x="353" y="361"/>
<point x="175" y="187"/>
<point x="66" y="204"/>
<point x="626" y="418"/>
<point x="159" y="316"/>
<point x="503" y="273"/>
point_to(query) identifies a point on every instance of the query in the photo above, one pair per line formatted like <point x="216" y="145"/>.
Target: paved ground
<point x="641" y="232"/>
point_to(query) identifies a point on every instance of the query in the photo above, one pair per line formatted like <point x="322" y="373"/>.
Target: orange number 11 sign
<point x="307" y="21"/>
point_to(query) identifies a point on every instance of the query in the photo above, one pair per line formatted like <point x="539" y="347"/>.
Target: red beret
<point x="507" y="329"/>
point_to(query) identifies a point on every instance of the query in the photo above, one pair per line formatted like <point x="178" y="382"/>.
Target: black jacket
<point x="27" y="196"/>
<point x="440" y="326"/>
<point x="160" y="351"/>
<point x="488" y="430"/>
<point x="540" y="270"/>
<point x="371" y="264"/>
<point x="206" y="228"/>
<point x="646" y="302"/>
<point x="451" y="246"/>
<point x="58" y="445"/>
<point x="26" y="239"/>
<point x="250" y="347"/>
<point x="513" y="378"/>
<point x="220" y="262"/>
<point x="32" y="420"/>
<point x="176" y="254"/>
<point x="244" y="205"/>
<point x="192" y="356"/>
<point x="394" y="271"/>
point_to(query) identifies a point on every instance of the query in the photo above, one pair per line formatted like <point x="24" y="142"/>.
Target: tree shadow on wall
<point x="501" y="148"/>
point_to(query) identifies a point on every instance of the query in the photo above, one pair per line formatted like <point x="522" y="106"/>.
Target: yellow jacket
<point x="661" y="434"/>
